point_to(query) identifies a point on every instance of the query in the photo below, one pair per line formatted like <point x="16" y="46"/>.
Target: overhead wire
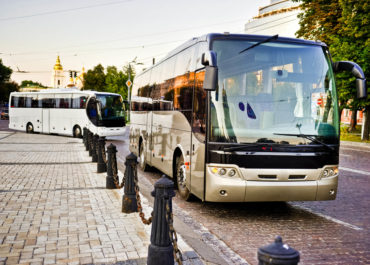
<point x="65" y="10"/>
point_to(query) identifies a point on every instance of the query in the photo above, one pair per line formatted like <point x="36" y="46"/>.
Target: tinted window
<point x="28" y="101"/>
<point x="78" y="101"/>
<point x="21" y="102"/>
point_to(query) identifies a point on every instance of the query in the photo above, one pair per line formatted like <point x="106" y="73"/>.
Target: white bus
<point x="235" y="118"/>
<point x="67" y="112"/>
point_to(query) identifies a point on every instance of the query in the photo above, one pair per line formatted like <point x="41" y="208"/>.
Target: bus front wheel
<point x="29" y="128"/>
<point x="181" y="179"/>
<point x="77" y="133"/>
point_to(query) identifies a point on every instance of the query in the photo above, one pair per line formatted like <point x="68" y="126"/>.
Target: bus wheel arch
<point x="142" y="162"/>
<point x="77" y="132"/>
<point x="179" y="175"/>
<point x="29" y="127"/>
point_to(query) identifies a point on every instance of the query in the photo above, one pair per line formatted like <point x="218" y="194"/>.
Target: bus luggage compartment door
<point x="46" y="121"/>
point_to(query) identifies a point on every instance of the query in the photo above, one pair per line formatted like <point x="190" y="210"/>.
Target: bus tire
<point x="143" y="165"/>
<point x="181" y="179"/>
<point x="29" y="128"/>
<point x="77" y="133"/>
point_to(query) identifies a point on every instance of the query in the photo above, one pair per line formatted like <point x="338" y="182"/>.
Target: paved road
<point x="328" y="232"/>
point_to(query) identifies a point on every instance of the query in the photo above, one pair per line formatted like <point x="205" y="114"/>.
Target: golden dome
<point x="57" y="65"/>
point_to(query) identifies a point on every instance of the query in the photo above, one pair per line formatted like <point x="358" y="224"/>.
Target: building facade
<point x="57" y="79"/>
<point x="279" y="17"/>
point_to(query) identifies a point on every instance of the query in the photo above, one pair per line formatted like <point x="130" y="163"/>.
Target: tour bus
<point x="67" y="112"/>
<point x="236" y="118"/>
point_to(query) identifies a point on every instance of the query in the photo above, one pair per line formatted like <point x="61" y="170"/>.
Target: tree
<point x="95" y="79"/>
<point x="26" y="83"/>
<point x="6" y="87"/>
<point x="344" y="26"/>
<point x="115" y="81"/>
<point x="112" y="81"/>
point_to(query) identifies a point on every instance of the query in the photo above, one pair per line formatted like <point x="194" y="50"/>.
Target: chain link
<point x="138" y="199"/>
<point x="173" y="235"/>
<point x="104" y="155"/>
<point x="115" y="174"/>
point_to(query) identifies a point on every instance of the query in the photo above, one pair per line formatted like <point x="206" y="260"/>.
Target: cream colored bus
<point x="234" y="118"/>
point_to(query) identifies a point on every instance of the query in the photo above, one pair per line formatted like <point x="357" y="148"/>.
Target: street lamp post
<point x="129" y="84"/>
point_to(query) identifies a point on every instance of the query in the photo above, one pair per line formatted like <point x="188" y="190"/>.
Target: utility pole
<point x="129" y="84"/>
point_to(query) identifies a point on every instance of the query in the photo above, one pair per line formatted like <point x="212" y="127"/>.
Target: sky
<point x="85" y="33"/>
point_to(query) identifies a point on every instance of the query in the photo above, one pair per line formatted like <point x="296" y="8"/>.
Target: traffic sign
<point x="128" y="83"/>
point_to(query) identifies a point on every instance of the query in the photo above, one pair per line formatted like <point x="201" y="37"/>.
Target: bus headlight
<point x="232" y="173"/>
<point x="329" y="172"/>
<point x="222" y="171"/>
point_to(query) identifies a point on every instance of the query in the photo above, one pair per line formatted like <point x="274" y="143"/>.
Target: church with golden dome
<point x="58" y="79"/>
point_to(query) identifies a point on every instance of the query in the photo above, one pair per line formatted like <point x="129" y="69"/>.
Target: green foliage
<point x="27" y="83"/>
<point x="344" y="26"/>
<point x="95" y="79"/>
<point x="5" y="72"/>
<point x="6" y="87"/>
<point x="112" y="80"/>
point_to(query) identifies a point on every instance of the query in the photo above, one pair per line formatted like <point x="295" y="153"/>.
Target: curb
<point x="355" y="144"/>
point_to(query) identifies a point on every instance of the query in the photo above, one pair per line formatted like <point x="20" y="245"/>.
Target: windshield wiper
<point x="259" y="43"/>
<point x="244" y="147"/>
<point x="310" y="137"/>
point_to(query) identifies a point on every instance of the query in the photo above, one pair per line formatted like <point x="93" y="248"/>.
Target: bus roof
<point x="65" y="91"/>
<point x="212" y="36"/>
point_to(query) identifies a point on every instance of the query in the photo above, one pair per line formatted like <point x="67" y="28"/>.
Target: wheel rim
<point x="181" y="176"/>
<point x="142" y="161"/>
<point x="77" y="131"/>
<point x="29" y="128"/>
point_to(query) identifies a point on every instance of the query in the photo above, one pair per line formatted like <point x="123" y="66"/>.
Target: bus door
<point x="46" y="120"/>
<point x="198" y="136"/>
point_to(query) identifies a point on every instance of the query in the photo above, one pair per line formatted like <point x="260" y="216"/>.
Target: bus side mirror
<point x="210" y="78"/>
<point x="209" y="58"/>
<point x="357" y="72"/>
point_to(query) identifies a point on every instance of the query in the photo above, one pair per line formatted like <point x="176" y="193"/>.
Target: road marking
<point x="355" y="171"/>
<point x="354" y="149"/>
<point x="329" y="218"/>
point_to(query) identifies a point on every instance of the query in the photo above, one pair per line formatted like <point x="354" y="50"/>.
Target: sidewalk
<point x="54" y="208"/>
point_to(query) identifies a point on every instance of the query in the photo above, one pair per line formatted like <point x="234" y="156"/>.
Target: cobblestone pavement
<point x="328" y="232"/>
<point x="54" y="208"/>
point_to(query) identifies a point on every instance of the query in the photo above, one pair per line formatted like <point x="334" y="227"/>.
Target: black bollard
<point x="160" y="249"/>
<point x="87" y="147"/>
<point x="101" y="166"/>
<point x="91" y="142"/>
<point x="94" y="155"/>
<point x="112" y="165"/>
<point x="277" y="253"/>
<point x="84" y="136"/>
<point x="129" y="201"/>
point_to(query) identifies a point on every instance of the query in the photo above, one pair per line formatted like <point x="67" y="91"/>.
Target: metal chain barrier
<point x="115" y="174"/>
<point x="173" y="235"/>
<point x="138" y="199"/>
<point x="104" y="155"/>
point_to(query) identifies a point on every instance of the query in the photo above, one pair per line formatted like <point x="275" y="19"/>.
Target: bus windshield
<point x="275" y="92"/>
<point x="106" y="110"/>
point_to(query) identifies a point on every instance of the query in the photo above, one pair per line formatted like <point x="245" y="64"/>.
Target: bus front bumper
<point x="238" y="189"/>
<point x="107" y="131"/>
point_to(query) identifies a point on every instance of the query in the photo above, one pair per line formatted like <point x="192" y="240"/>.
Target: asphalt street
<point x="325" y="232"/>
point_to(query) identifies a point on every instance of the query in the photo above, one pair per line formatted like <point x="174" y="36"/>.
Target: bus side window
<point x="14" y="102"/>
<point x="21" y="102"/>
<point x="34" y="102"/>
<point x="200" y="96"/>
<point x="28" y="101"/>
